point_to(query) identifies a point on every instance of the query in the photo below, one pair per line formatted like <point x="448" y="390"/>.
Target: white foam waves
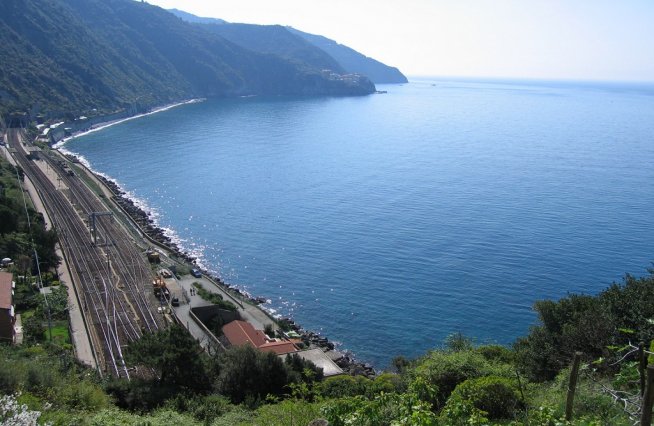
<point x="101" y="126"/>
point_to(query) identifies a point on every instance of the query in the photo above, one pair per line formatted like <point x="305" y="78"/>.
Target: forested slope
<point x="74" y="56"/>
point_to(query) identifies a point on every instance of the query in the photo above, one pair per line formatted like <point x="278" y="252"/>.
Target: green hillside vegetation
<point x="457" y="384"/>
<point x="64" y="57"/>
<point x="21" y="227"/>
<point x="300" y="47"/>
<point x="277" y="40"/>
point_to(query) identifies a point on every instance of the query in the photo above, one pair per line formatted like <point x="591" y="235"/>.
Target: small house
<point x="7" y="312"/>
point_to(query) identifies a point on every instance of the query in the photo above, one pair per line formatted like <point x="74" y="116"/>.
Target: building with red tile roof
<point x="7" y="313"/>
<point x="279" y="348"/>
<point x="240" y="333"/>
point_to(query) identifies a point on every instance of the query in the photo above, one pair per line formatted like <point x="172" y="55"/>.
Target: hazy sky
<point x="556" y="39"/>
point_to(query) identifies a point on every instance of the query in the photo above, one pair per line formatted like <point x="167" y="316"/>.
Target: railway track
<point x="112" y="279"/>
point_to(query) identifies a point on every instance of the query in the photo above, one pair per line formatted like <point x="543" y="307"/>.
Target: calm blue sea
<point x="389" y="221"/>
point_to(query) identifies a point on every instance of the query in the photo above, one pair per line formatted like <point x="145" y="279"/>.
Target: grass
<point x="60" y="334"/>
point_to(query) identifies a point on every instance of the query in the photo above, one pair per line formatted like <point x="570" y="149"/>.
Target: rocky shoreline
<point x="143" y="219"/>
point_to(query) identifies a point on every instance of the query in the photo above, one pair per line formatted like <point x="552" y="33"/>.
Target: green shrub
<point x="496" y="353"/>
<point x="39" y="378"/>
<point x="214" y="298"/>
<point x="386" y="382"/>
<point x="83" y="395"/>
<point x="237" y="417"/>
<point x="588" y="324"/>
<point x="496" y="396"/>
<point x="249" y="375"/>
<point x="458" y="342"/>
<point x="114" y="417"/>
<point x="443" y="371"/>
<point x="385" y="409"/>
<point x="301" y="370"/>
<point x="34" y="329"/>
<point x="344" y="386"/>
<point x="205" y="408"/>
<point x="461" y="412"/>
<point x="11" y="376"/>
<point x="289" y="412"/>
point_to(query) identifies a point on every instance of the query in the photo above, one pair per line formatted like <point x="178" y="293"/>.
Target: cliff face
<point x="69" y="57"/>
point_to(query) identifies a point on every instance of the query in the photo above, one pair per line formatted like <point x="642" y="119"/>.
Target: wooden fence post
<point x="572" y="384"/>
<point x="642" y="365"/>
<point x="648" y="399"/>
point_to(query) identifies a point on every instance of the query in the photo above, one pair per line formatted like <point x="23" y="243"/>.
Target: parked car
<point x="196" y="273"/>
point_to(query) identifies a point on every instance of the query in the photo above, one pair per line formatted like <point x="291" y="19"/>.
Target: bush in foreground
<point x="496" y="397"/>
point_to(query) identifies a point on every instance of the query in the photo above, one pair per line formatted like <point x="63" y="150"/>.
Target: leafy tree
<point x="458" y="342"/>
<point x="58" y="302"/>
<point x="34" y="329"/>
<point x="247" y="374"/>
<point x="175" y="355"/>
<point x="302" y="369"/>
<point x="630" y="305"/>
<point x="387" y="382"/>
<point x="8" y="220"/>
<point x="590" y="324"/>
<point x="400" y="363"/>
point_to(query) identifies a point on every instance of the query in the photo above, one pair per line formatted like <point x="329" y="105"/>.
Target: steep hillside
<point x="277" y="40"/>
<point x="353" y="61"/>
<point x="65" y="57"/>
<point x="301" y="47"/>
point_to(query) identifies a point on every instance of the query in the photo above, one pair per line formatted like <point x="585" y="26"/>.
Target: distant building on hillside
<point x="7" y="313"/>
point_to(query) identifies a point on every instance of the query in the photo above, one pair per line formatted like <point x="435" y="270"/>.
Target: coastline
<point x="105" y="124"/>
<point x="344" y="359"/>
<point x="144" y="217"/>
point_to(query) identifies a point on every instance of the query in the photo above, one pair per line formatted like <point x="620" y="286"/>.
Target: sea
<point x="388" y="222"/>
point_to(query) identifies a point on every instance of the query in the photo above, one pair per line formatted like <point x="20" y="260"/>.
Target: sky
<point x="544" y="39"/>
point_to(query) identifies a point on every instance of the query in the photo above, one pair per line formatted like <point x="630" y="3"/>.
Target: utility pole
<point x="45" y="298"/>
<point x="572" y="384"/>
<point x="94" y="231"/>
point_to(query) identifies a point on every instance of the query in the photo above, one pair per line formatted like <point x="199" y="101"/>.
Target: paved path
<point x="79" y="334"/>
